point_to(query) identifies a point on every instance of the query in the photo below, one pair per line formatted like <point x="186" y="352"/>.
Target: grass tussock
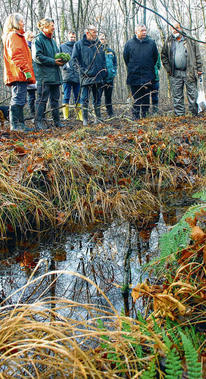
<point x="43" y="340"/>
<point x="58" y="337"/>
<point x="94" y="174"/>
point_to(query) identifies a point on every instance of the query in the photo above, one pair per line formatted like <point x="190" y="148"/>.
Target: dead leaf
<point x="166" y="304"/>
<point x="197" y="234"/>
<point x="204" y="254"/>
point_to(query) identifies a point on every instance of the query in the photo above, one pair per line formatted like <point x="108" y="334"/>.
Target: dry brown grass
<point x="41" y="340"/>
<point x="96" y="174"/>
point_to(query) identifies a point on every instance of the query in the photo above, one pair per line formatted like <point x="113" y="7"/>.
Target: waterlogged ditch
<point x="113" y="257"/>
<point x="68" y="306"/>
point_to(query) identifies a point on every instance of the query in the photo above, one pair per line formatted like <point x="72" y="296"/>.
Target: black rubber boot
<point x="40" y="122"/>
<point x="14" y="116"/>
<point x="110" y="110"/>
<point x="56" y="118"/>
<point x="98" y="115"/>
<point x="21" y="120"/>
<point x="41" y="125"/>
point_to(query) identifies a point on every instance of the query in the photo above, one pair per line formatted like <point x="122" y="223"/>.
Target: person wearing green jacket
<point x="48" y="73"/>
<point x="156" y="86"/>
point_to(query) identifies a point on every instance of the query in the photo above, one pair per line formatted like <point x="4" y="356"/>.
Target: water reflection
<point x="111" y="257"/>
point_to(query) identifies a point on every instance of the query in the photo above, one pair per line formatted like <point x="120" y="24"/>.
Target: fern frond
<point x="193" y="366"/>
<point x="178" y="237"/>
<point x="150" y="373"/>
<point x="157" y="329"/>
<point x="172" y="329"/>
<point x="200" y="195"/>
<point x="173" y="367"/>
<point x="196" y="337"/>
<point x="166" y="340"/>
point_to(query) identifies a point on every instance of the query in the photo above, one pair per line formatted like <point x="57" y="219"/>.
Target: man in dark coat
<point x="70" y="77"/>
<point x="89" y="56"/>
<point x="182" y="61"/>
<point x="48" y="73"/>
<point x="140" y="55"/>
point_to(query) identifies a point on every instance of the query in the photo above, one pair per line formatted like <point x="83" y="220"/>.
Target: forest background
<point x="116" y="18"/>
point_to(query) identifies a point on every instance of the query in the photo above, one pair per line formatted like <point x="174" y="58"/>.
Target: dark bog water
<point x="112" y="257"/>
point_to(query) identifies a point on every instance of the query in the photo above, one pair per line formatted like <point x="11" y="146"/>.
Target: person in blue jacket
<point x="111" y="65"/>
<point x="48" y="74"/>
<point x="89" y="57"/>
<point x="140" y="55"/>
<point x="70" y="78"/>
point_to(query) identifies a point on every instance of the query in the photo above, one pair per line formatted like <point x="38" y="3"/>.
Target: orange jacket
<point x="17" y="59"/>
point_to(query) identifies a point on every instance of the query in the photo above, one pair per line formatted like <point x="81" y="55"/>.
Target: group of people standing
<point x="180" y="57"/>
<point x="92" y="69"/>
<point x="86" y="72"/>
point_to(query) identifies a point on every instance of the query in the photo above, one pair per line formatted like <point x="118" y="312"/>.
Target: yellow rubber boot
<point x="79" y="112"/>
<point x="66" y="111"/>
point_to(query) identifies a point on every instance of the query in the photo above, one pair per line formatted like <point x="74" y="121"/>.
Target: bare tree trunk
<point x="40" y="9"/>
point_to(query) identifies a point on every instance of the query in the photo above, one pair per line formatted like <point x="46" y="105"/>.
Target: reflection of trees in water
<point x="111" y="258"/>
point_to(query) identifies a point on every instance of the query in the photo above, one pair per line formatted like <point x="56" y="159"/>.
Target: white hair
<point x="12" y="22"/>
<point x="90" y="27"/>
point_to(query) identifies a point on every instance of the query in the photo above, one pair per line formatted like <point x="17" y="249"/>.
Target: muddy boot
<point x="85" y="116"/>
<point x="21" y="120"/>
<point x="14" y="115"/>
<point x="41" y="125"/>
<point x="40" y="122"/>
<point x="56" y="118"/>
<point x="110" y="111"/>
<point x="98" y="115"/>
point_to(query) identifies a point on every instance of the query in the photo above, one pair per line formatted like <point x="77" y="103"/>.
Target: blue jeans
<point x="95" y="89"/>
<point x="18" y="93"/>
<point x="45" y="92"/>
<point x="31" y="95"/>
<point x="68" y="87"/>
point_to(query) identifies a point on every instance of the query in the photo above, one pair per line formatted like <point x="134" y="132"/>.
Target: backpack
<point x="111" y="70"/>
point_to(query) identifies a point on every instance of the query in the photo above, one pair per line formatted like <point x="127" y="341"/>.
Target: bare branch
<point x="163" y="18"/>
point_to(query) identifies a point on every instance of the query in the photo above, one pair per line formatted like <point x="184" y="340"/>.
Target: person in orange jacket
<point x="18" y="71"/>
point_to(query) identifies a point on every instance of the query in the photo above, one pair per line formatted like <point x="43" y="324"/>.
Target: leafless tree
<point x="116" y="18"/>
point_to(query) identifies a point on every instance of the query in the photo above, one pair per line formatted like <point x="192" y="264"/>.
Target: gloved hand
<point x="27" y="75"/>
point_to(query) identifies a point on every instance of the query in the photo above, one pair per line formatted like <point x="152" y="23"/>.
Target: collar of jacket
<point x="71" y="43"/>
<point x="87" y="42"/>
<point x="46" y="36"/>
<point x="141" y="40"/>
<point x="19" y="32"/>
<point x="174" y="39"/>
